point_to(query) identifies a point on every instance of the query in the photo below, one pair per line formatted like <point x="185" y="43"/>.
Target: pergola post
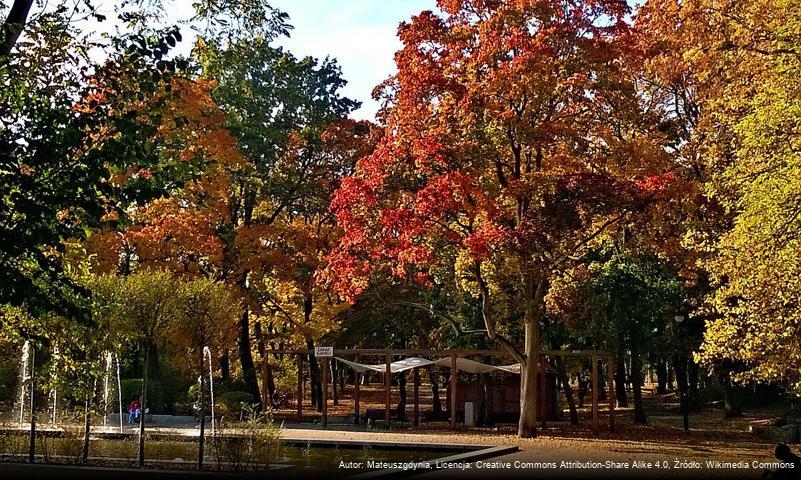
<point x="356" y="394"/>
<point x="416" y="397"/>
<point x="610" y="367"/>
<point x="300" y="388"/>
<point x="325" y="392"/>
<point x="595" y="394"/>
<point x="543" y="394"/>
<point x="388" y="388"/>
<point x="453" y="391"/>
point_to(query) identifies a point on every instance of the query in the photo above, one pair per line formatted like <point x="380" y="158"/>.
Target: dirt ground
<point x="660" y="449"/>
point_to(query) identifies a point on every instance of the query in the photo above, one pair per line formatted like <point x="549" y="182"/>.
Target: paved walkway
<point x="543" y="457"/>
<point x="681" y="456"/>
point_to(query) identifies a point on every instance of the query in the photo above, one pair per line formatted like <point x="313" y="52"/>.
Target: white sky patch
<point x="360" y="34"/>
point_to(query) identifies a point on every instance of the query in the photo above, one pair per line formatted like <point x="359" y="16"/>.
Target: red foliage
<point x="503" y="136"/>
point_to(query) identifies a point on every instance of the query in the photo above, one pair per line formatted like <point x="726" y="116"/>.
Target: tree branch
<point x="504" y="342"/>
<point x="13" y="26"/>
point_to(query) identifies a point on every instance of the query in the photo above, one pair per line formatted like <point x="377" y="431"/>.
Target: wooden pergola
<point x="387" y="354"/>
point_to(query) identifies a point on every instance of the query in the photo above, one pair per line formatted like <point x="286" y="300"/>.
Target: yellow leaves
<point x="195" y="122"/>
<point x="465" y="278"/>
<point x="104" y="248"/>
<point x="283" y="305"/>
<point x="177" y="238"/>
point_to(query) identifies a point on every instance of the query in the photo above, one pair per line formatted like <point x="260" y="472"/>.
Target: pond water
<point x="180" y="453"/>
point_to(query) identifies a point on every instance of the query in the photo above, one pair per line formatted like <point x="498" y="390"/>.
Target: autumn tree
<point x="284" y="257"/>
<point x="72" y="126"/>
<point x="739" y="61"/>
<point x="145" y="303"/>
<point x="625" y="301"/>
<point x="252" y="157"/>
<point x="515" y="138"/>
<point x="207" y="319"/>
<point x="278" y="107"/>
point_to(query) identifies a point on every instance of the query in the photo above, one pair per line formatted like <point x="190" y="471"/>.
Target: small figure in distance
<point x="133" y="410"/>
<point x="792" y="471"/>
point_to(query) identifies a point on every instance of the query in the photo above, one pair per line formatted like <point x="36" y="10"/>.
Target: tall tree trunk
<point x="153" y="372"/>
<point x="636" y="383"/>
<point x="582" y="389"/>
<point x="620" y="381"/>
<point x="680" y="366"/>
<point x="527" y="427"/>
<point x="533" y="296"/>
<point x="693" y="379"/>
<point x="249" y="375"/>
<point x="225" y="367"/>
<point x="571" y="401"/>
<point x="671" y="376"/>
<point x="268" y="382"/>
<point x="87" y="425"/>
<point x="401" y="410"/>
<point x="315" y="379"/>
<point x="661" y="376"/>
<point x="732" y="398"/>
<point x="314" y="369"/>
<point x="436" y="403"/>
<point x="485" y="409"/>
<point x="13" y="26"/>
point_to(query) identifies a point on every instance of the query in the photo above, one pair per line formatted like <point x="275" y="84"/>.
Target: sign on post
<point x="323" y="351"/>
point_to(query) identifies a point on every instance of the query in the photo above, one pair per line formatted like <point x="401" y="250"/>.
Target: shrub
<point x="168" y="449"/>
<point x="285" y="373"/>
<point x="70" y="445"/>
<point x="232" y="385"/>
<point x="233" y="404"/>
<point x="12" y="444"/>
<point x="253" y="445"/>
<point x="125" y="449"/>
<point x="173" y="385"/>
<point x="8" y="378"/>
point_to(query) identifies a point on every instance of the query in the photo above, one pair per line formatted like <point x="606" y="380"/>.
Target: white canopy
<point x="394" y="367"/>
<point x="471" y="366"/>
<point x="462" y="364"/>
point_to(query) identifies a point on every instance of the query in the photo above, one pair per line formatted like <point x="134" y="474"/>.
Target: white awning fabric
<point x="394" y="367"/>
<point x="471" y="366"/>
<point x="462" y="365"/>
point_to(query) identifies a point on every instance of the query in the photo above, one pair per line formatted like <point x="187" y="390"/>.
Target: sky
<point x="360" y="34"/>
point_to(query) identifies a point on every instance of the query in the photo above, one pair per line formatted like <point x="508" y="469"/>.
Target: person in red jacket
<point x="134" y="410"/>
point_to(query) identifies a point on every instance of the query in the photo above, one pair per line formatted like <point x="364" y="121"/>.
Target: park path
<point x="691" y="452"/>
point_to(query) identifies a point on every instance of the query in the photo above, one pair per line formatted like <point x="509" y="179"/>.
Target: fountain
<point x="105" y="388"/>
<point x="24" y="378"/>
<point x="54" y="397"/>
<point x="119" y="389"/>
<point x="207" y="355"/>
<point x="54" y="390"/>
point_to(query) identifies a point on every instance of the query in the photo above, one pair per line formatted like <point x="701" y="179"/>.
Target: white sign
<point x="323" y="351"/>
